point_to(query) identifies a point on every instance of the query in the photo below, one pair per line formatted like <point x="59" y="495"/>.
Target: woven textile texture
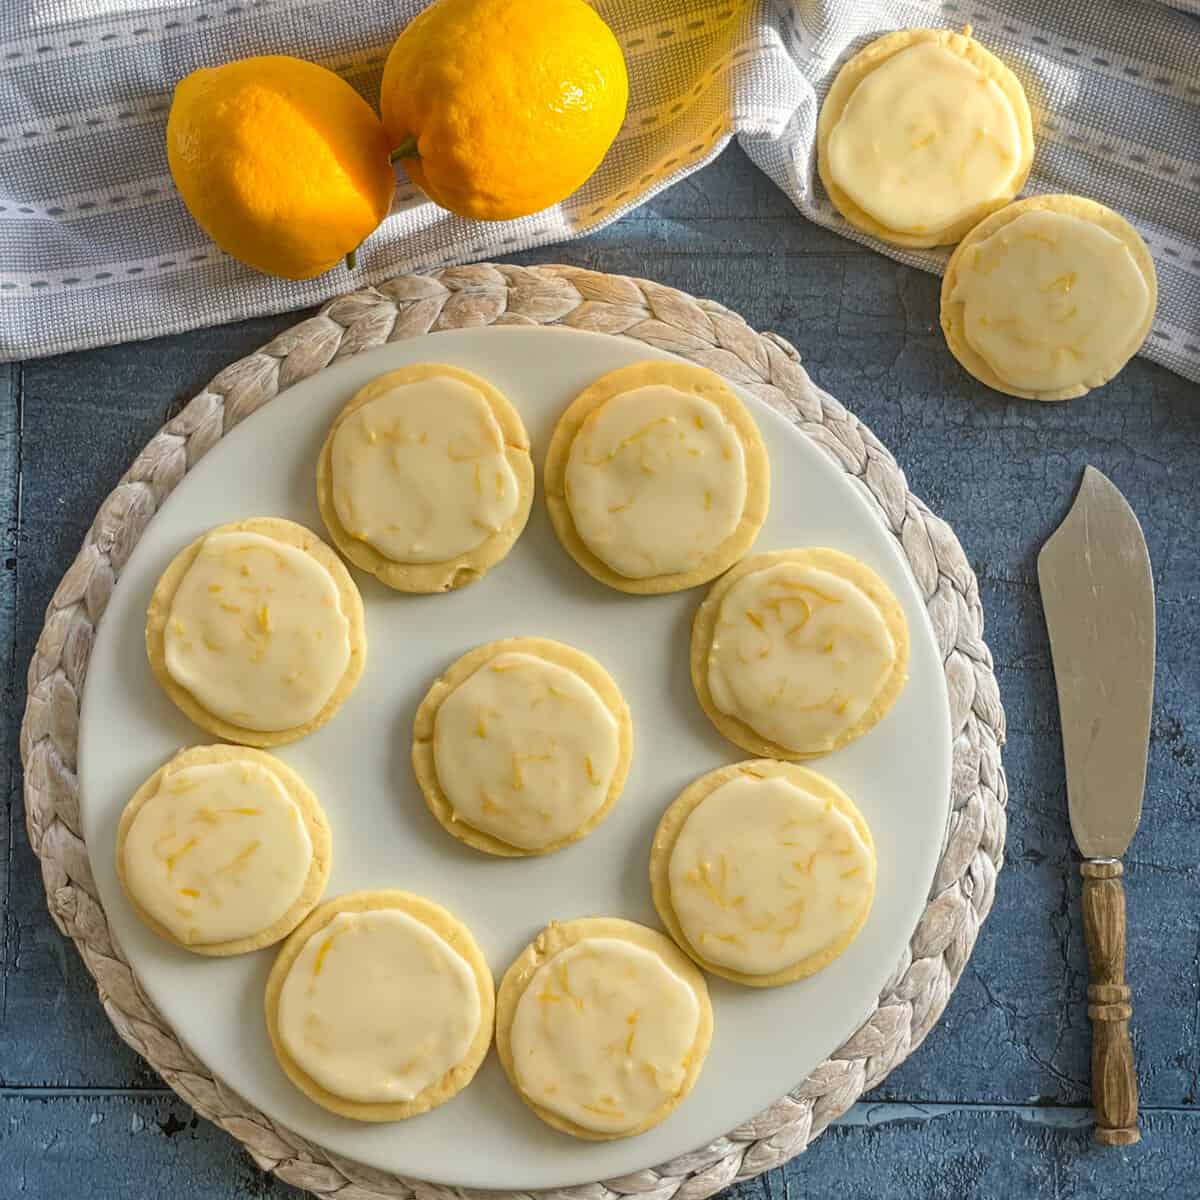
<point x="96" y="246"/>
<point x="704" y="332"/>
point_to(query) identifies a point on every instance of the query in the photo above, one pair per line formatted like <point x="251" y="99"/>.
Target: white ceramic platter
<point x="765" y="1041"/>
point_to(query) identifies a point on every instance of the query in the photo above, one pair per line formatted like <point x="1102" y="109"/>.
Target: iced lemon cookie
<point x="797" y="652"/>
<point x="602" y="1027"/>
<point x="922" y="134"/>
<point x="657" y="478"/>
<point x="380" y="1006"/>
<point x="522" y="746"/>
<point x="256" y="632"/>
<point x="1048" y="297"/>
<point x="223" y="850"/>
<point x="764" y="872"/>
<point x="425" y="479"/>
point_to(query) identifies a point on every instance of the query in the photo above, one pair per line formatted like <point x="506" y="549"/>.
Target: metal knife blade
<point x="1098" y="596"/>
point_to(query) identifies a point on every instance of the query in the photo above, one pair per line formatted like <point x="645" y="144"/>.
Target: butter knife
<point x="1098" y="596"/>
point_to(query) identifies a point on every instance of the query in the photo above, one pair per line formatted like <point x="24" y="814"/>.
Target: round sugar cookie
<point x="657" y="478"/>
<point x="413" y="462"/>
<point x="659" y="1074"/>
<point x="819" y="683"/>
<point x="776" y="878"/>
<point x="297" y="817"/>
<point x="921" y="135"/>
<point x="254" y="626"/>
<point x="1048" y="297"/>
<point x="592" y="763"/>
<point x="445" y="940"/>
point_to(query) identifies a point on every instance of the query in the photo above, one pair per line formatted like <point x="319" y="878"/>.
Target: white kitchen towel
<point x="96" y="246"/>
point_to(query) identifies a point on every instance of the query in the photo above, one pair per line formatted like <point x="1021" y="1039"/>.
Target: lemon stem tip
<point x="352" y="259"/>
<point x="406" y="149"/>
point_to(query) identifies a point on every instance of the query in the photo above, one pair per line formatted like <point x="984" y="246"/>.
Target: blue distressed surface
<point x="123" y="1145"/>
<point x="994" y="1103"/>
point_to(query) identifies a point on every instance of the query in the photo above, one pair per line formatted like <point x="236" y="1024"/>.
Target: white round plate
<point x="383" y="835"/>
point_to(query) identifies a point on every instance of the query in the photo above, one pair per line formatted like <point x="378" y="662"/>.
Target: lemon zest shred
<point x="186" y="848"/>
<point x="241" y="858"/>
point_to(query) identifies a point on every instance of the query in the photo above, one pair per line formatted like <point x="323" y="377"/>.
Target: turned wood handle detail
<point x="1114" y="1077"/>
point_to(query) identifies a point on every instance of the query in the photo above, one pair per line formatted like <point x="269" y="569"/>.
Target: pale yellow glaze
<point x="1049" y="300"/>
<point x="257" y="626"/>
<point x="602" y="1026"/>
<point x="602" y="1034"/>
<point x="797" y="652"/>
<point x="925" y="140"/>
<point x="383" y="995"/>
<point x="256" y="632"/>
<point x="420" y="471"/>
<point x="377" y="1006"/>
<point x="763" y="871"/>
<point x="921" y="135"/>
<point x="526" y="750"/>
<point x="522" y="746"/>
<point x="764" y="874"/>
<point x="1126" y="339"/>
<point x="657" y="478"/>
<point x="656" y="481"/>
<point x="223" y="850"/>
<point x="425" y="478"/>
<point x="218" y="853"/>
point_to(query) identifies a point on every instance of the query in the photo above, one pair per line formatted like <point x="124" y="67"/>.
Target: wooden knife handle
<point x="1114" y="1078"/>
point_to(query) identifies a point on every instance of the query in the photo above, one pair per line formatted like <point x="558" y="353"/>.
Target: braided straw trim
<point x="699" y="330"/>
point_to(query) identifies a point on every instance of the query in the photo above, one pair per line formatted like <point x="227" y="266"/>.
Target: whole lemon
<point x="511" y="104"/>
<point x="282" y="163"/>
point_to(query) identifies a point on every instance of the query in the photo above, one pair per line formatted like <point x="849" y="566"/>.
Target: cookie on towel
<point x="922" y="134"/>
